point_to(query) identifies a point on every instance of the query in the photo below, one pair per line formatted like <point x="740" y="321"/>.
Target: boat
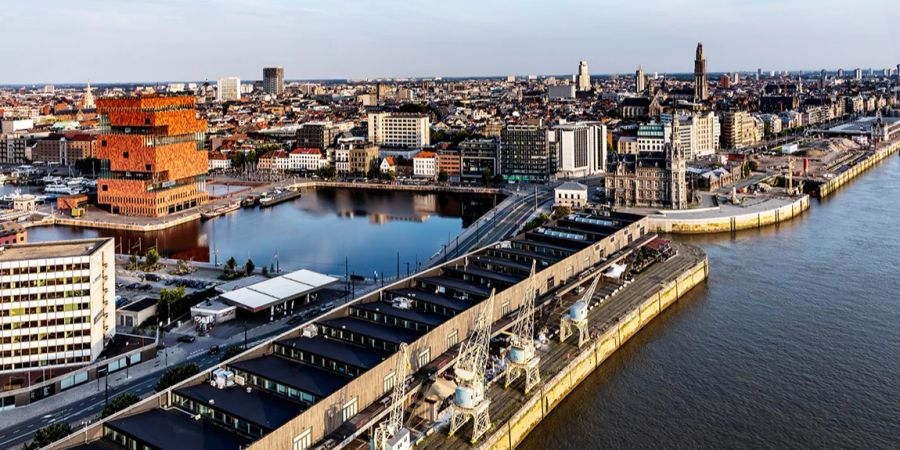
<point x="59" y="188"/>
<point x="50" y="179"/>
<point x="278" y="196"/>
<point x="249" y="201"/>
<point x="220" y="210"/>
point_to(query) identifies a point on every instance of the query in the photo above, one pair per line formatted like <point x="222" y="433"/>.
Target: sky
<point x="60" y="41"/>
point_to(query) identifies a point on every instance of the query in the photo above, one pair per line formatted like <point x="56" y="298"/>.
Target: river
<point x="321" y="231"/>
<point x="794" y="342"/>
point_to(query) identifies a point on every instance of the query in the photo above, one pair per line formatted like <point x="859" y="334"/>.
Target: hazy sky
<point x="60" y="41"/>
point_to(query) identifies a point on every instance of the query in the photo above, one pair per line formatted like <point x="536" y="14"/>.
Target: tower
<point x="584" y="78"/>
<point x="677" y="166"/>
<point x="639" y="80"/>
<point x="701" y="86"/>
<point x="87" y="102"/>
<point x="273" y="80"/>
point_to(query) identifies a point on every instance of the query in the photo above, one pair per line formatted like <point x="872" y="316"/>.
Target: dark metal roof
<point x="262" y="408"/>
<point x="176" y="430"/>
<point x="335" y="349"/>
<point x="491" y="275"/>
<point x="458" y="285"/>
<point x="421" y="295"/>
<point x="374" y="330"/>
<point x="407" y="314"/>
<point x="297" y="375"/>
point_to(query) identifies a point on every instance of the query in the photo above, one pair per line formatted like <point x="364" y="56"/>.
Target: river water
<point x="794" y="342"/>
<point x="321" y="231"/>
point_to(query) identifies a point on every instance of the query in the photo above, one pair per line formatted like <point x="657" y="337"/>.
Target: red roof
<point x="306" y="151"/>
<point x="425" y="154"/>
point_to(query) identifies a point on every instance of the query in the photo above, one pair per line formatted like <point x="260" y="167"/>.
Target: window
<point x="504" y="308"/>
<point x="303" y="440"/>
<point x="453" y="338"/>
<point x="349" y="410"/>
<point x="103" y="143"/>
<point x="389" y="381"/>
<point x="125" y="155"/>
<point x="424" y="357"/>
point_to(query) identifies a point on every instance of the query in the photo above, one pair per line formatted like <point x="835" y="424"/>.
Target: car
<point x="151" y="277"/>
<point x="187" y="338"/>
<point x="326" y="307"/>
<point x="296" y="319"/>
<point x="214" y="350"/>
<point x="145" y="287"/>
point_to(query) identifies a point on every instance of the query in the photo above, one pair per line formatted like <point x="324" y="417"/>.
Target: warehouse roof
<point x="262" y="295"/>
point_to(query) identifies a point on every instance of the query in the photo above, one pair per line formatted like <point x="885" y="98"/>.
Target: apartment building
<point x="65" y="149"/>
<point x="741" y="129"/>
<point x="581" y="148"/>
<point x="228" y="89"/>
<point x="424" y="164"/>
<point x="698" y="134"/>
<point x="57" y="303"/>
<point x="273" y="80"/>
<point x="478" y="158"/>
<point x="399" y="130"/>
<point x="525" y="154"/>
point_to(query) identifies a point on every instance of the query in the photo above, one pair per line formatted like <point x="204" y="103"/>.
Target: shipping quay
<point x="393" y="367"/>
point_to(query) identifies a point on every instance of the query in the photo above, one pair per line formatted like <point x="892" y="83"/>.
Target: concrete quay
<point x="728" y="217"/>
<point x="615" y="317"/>
<point x="856" y="168"/>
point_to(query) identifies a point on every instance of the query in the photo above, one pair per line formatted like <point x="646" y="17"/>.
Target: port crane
<point x="390" y="434"/>
<point x="575" y="318"/>
<point x="521" y="356"/>
<point x="469" y="399"/>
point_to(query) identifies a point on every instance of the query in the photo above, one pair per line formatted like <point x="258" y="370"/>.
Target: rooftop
<point x="54" y="249"/>
<point x="269" y="411"/>
<point x="174" y="429"/>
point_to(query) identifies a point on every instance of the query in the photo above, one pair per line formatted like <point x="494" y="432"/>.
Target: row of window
<point x="52" y="295"/>
<point x="319" y="361"/>
<point x="61" y="348"/>
<point x="272" y="386"/>
<point x="44" y="336"/>
<point x="390" y="320"/>
<point x="46" y="363"/>
<point x="218" y="415"/>
<point x="41" y="282"/>
<point x="43" y="269"/>
<point x="45" y="323"/>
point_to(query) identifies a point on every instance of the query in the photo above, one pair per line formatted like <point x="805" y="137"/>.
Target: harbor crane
<point x="469" y="399"/>
<point x="521" y="356"/>
<point x="390" y="434"/>
<point x="575" y="319"/>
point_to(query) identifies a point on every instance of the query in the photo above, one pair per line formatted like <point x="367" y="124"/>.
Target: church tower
<point x="701" y="85"/>
<point x="677" y="168"/>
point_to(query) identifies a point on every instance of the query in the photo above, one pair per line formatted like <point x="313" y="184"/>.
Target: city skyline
<point x="353" y="40"/>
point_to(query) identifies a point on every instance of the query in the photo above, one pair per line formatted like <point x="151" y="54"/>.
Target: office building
<point x="478" y="159"/>
<point x="525" y="154"/>
<point x="583" y="78"/>
<point x="640" y="81"/>
<point x="316" y="135"/>
<point x="698" y="134"/>
<point x="399" y="129"/>
<point x="581" y="148"/>
<point x="857" y="74"/>
<point x="13" y="148"/>
<point x="701" y="84"/>
<point x="228" y="89"/>
<point x="57" y="302"/>
<point x="654" y="136"/>
<point x="273" y="80"/>
<point x="151" y="155"/>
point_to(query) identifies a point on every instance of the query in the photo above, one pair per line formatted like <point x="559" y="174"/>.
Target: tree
<point x="264" y="270"/>
<point x="486" y="176"/>
<point x="249" y="266"/>
<point x="326" y="172"/>
<point x="754" y="165"/>
<point x="561" y="211"/>
<point x="119" y="403"/>
<point x="374" y="172"/>
<point x="176" y="375"/>
<point x="134" y="263"/>
<point x="443" y="177"/>
<point x="151" y="259"/>
<point x="231" y="352"/>
<point x="88" y="166"/>
<point x="230" y="267"/>
<point x="238" y="159"/>
<point x="169" y="300"/>
<point x="49" y="434"/>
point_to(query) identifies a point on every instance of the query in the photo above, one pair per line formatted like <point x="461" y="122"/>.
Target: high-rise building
<point x="640" y="81"/>
<point x="698" y="134"/>
<point x="741" y="129"/>
<point x="525" y="153"/>
<point x="584" y="78"/>
<point x="13" y="148"/>
<point x="399" y="129"/>
<point x="580" y="148"/>
<point x="840" y="73"/>
<point x="857" y="74"/>
<point x="228" y="89"/>
<point x="701" y="85"/>
<point x="151" y="155"/>
<point x="58" y="303"/>
<point x="273" y="80"/>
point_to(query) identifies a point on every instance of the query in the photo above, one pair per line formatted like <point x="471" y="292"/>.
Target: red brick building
<point x="12" y="233"/>
<point x="153" y="160"/>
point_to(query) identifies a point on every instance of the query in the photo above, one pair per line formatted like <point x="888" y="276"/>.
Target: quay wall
<point x="677" y="225"/>
<point x="510" y="434"/>
<point x="829" y="187"/>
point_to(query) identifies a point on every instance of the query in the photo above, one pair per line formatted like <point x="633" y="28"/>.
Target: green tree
<point x="249" y="267"/>
<point x="134" y="263"/>
<point x="264" y="270"/>
<point x="443" y="177"/>
<point x="231" y="352"/>
<point x="151" y="259"/>
<point x="251" y="157"/>
<point x="486" y="176"/>
<point x="119" y="403"/>
<point x="753" y="165"/>
<point x="374" y="172"/>
<point x="230" y="266"/>
<point x="238" y="159"/>
<point x="169" y="301"/>
<point x="176" y="375"/>
<point x="326" y="172"/>
<point x="49" y="434"/>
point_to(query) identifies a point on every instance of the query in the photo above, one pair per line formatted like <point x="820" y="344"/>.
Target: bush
<point x="151" y="260"/>
<point x="231" y="352"/>
<point x="119" y="403"/>
<point x="49" y="434"/>
<point x="176" y="375"/>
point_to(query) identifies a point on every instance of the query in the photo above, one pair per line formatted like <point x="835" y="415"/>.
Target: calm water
<point x="793" y="343"/>
<point x="316" y="231"/>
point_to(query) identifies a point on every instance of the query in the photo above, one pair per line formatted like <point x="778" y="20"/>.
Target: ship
<point x="249" y="201"/>
<point x="220" y="210"/>
<point x="278" y="196"/>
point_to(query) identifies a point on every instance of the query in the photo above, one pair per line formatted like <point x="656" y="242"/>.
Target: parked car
<point x="151" y="277"/>
<point x="187" y="338"/>
<point x="326" y="307"/>
<point x="296" y="319"/>
<point x="214" y="350"/>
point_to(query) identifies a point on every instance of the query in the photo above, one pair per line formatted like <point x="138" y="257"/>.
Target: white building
<point x="218" y="161"/>
<point x="14" y="125"/>
<point x="425" y="164"/>
<point x="342" y="160"/>
<point x="698" y="134"/>
<point x="584" y="78"/>
<point x="57" y="303"/>
<point x="571" y="194"/>
<point x="228" y="89"/>
<point x="581" y="148"/>
<point x="399" y="130"/>
<point x="309" y="159"/>
<point x="653" y="137"/>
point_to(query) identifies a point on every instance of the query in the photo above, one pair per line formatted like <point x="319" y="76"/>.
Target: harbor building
<point x="152" y="160"/>
<point x="57" y="304"/>
<point x="326" y="381"/>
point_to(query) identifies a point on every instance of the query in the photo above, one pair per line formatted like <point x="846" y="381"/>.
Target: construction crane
<point x="575" y="319"/>
<point x="521" y="355"/>
<point x="390" y="434"/>
<point x="469" y="400"/>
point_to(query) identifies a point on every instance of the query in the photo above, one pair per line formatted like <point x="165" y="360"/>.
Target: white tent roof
<point x="277" y="290"/>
